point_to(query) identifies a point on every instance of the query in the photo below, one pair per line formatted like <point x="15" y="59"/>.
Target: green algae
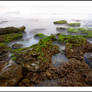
<point x="76" y="30"/>
<point x="74" y="24"/>
<point x="40" y="35"/>
<point x="3" y="45"/>
<point x="4" y="48"/>
<point x="89" y="34"/>
<point x="9" y="34"/>
<point x="83" y="30"/>
<point x="71" y="39"/>
<point x="60" y="22"/>
<point x="72" y="30"/>
<point x="38" y="54"/>
<point x="45" y="43"/>
<point x="10" y="37"/>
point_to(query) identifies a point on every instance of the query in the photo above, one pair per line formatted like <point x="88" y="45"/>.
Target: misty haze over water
<point x="45" y="9"/>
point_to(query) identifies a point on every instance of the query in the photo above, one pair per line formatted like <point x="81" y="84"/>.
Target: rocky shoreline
<point x="32" y="66"/>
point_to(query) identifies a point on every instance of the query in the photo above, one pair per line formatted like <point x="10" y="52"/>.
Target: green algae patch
<point x="83" y="30"/>
<point x="3" y="47"/>
<point x="75" y="41"/>
<point x="89" y="34"/>
<point x="9" y="34"/>
<point x="72" y="30"/>
<point x="76" y="30"/>
<point x="71" y="39"/>
<point x="10" y="37"/>
<point x="50" y="38"/>
<point x="60" y="22"/>
<point x="61" y="28"/>
<point x="40" y="35"/>
<point x="62" y="38"/>
<point x="74" y="24"/>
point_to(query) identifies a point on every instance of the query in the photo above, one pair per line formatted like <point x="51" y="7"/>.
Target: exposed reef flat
<point x="35" y="65"/>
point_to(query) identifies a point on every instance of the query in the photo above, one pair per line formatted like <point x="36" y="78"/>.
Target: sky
<point x="46" y="9"/>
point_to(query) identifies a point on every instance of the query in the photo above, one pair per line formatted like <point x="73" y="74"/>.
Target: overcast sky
<point x="76" y="9"/>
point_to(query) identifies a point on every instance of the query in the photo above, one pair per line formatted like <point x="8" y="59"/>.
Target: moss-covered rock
<point x="10" y="37"/>
<point x="76" y="48"/>
<point x="77" y="30"/>
<point x="74" y="24"/>
<point x="70" y="38"/>
<point x="9" y="30"/>
<point x="89" y="34"/>
<point x="72" y="30"/>
<point x="40" y="35"/>
<point x="83" y="30"/>
<point x="60" y="22"/>
<point x="38" y="56"/>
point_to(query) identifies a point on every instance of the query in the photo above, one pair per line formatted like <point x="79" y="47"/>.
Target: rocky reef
<point x="32" y="66"/>
<point x="75" y="73"/>
<point x="37" y="57"/>
<point x="9" y="34"/>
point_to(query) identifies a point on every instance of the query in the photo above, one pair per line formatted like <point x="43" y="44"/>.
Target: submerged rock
<point x="88" y="59"/>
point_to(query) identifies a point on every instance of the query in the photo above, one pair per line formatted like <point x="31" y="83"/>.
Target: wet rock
<point x="10" y="75"/>
<point x="36" y="57"/>
<point x="9" y="34"/>
<point x="37" y="78"/>
<point x="34" y="61"/>
<point x="3" y="64"/>
<point x="4" y="49"/>
<point x="88" y="59"/>
<point x="73" y="50"/>
<point x="75" y="73"/>
<point x="9" y="30"/>
<point x="16" y="46"/>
